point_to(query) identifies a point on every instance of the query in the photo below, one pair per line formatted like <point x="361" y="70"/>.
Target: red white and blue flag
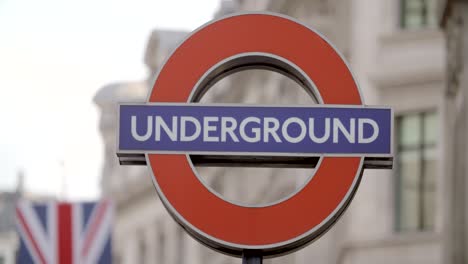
<point x="64" y="233"/>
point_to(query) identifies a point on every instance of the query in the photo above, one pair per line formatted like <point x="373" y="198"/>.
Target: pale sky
<point x="54" y="56"/>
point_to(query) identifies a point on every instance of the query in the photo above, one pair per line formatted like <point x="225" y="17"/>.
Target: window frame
<point x="420" y="147"/>
<point x="424" y="14"/>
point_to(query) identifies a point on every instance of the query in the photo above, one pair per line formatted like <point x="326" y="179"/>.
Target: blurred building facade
<point x="455" y="24"/>
<point x="414" y="214"/>
<point x="8" y="237"/>
<point x="9" y="241"/>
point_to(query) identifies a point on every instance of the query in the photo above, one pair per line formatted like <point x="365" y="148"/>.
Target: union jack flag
<point x="64" y="233"/>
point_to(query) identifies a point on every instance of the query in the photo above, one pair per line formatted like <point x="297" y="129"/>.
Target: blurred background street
<point x="64" y="66"/>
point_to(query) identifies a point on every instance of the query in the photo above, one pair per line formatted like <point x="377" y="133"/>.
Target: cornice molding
<point x="395" y="78"/>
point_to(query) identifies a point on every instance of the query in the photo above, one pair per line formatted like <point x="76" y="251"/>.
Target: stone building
<point x="9" y="241"/>
<point x="455" y="24"/>
<point x="8" y="238"/>
<point x="397" y="52"/>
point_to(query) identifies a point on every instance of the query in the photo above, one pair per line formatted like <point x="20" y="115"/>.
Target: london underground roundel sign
<point x="340" y="135"/>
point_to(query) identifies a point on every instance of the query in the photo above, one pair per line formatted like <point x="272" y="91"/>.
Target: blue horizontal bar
<point x="245" y="130"/>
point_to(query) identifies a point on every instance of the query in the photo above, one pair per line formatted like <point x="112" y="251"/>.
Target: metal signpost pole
<point x="252" y="257"/>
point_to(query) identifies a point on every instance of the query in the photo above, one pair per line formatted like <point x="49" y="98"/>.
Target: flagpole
<point x="63" y="191"/>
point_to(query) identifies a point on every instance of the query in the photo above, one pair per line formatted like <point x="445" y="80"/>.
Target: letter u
<point x="149" y="129"/>
<point x="326" y="133"/>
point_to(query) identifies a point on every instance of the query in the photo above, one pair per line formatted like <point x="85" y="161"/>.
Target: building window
<point x="417" y="14"/>
<point x="416" y="167"/>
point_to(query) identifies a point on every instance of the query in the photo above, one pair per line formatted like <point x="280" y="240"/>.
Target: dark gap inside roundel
<point x="255" y="180"/>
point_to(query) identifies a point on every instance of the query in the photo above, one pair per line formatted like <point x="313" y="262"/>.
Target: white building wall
<point x="8" y="246"/>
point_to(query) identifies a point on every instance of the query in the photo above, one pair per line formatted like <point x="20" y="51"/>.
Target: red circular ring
<point x="306" y="214"/>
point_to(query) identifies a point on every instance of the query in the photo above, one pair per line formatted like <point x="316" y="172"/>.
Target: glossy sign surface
<point x="254" y="130"/>
<point x="283" y="44"/>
